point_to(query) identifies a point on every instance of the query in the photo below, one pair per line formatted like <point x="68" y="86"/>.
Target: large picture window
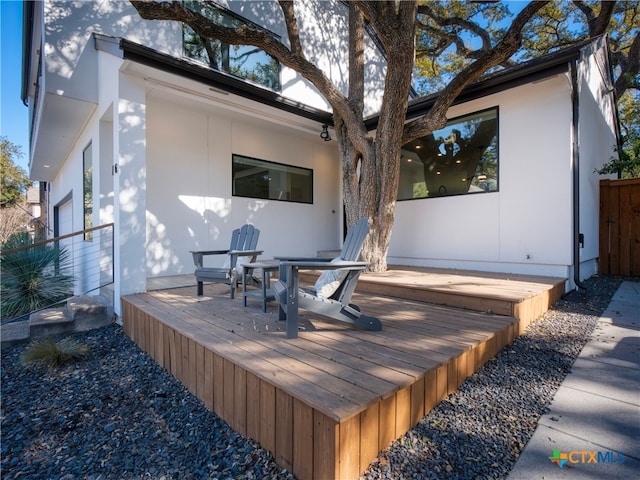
<point x="459" y="159"/>
<point x="256" y="178"/>
<point x="246" y="62"/>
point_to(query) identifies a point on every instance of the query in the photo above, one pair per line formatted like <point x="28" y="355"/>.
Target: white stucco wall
<point x="172" y="192"/>
<point x="597" y="140"/>
<point x="69" y="180"/>
<point x="71" y="59"/>
<point x="68" y="45"/>
<point x="69" y="87"/>
<point x="66" y="193"/>
<point x="189" y="203"/>
<point x="525" y="227"/>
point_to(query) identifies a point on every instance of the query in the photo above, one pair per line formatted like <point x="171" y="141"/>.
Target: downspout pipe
<point x="575" y="163"/>
<point x="27" y="30"/>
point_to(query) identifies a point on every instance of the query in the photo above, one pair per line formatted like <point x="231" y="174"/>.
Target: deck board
<point x="328" y="401"/>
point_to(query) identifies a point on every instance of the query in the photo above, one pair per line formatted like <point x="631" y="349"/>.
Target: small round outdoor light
<point x="325" y="133"/>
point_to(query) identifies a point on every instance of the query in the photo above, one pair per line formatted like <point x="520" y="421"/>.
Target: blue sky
<point x="13" y="114"/>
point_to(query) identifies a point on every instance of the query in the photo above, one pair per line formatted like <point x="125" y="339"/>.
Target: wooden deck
<point x="525" y="297"/>
<point x="326" y="403"/>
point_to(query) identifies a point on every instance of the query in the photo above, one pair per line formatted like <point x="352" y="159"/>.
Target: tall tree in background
<point x="15" y="180"/>
<point x="371" y="161"/>
<point x="13" y="185"/>
<point x="453" y="34"/>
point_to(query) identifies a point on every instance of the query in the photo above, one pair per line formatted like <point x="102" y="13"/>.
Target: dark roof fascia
<point x="184" y="68"/>
<point x="531" y="71"/>
<point x="27" y="34"/>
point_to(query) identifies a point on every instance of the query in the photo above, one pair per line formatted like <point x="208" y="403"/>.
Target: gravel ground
<point x="118" y="415"/>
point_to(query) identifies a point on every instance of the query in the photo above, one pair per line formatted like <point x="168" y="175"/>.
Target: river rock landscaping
<point x="116" y="414"/>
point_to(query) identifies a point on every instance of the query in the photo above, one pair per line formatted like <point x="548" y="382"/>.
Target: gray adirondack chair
<point x="242" y="249"/>
<point x="341" y="272"/>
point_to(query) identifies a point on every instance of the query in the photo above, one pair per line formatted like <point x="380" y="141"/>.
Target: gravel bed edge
<point x="119" y="415"/>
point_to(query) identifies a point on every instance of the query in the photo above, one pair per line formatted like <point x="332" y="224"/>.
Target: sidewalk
<point x="595" y="413"/>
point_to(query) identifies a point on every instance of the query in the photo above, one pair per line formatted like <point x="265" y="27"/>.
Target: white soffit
<point x="60" y="124"/>
<point x="200" y="96"/>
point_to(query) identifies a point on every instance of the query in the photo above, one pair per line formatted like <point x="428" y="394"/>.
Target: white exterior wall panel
<point x="530" y="216"/>
<point x="172" y="141"/>
<point x="177" y="174"/>
<point x="189" y="198"/>
<point x="597" y="140"/>
<point x="69" y="179"/>
<point x="71" y="57"/>
<point x="535" y="174"/>
<point x="70" y="53"/>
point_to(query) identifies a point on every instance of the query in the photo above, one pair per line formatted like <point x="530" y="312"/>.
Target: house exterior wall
<point x="189" y="186"/>
<point x="66" y="196"/>
<point x="70" y="54"/>
<point x="70" y="59"/>
<point x="172" y="191"/>
<point x="68" y="86"/>
<point x="597" y="142"/>
<point x="162" y="148"/>
<point x="526" y="226"/>
<point x="106" y="105"/>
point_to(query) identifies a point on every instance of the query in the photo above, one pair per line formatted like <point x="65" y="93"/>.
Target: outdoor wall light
<point x="325" y="133"/>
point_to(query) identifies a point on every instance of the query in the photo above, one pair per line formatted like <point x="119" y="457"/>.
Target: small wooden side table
<point x="265" y="293"/>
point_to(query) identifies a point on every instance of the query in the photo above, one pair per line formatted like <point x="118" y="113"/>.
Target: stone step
<point x="90" y="311"/>
<point x="81" y="313"/>
<point x="50" y="322"/>
<point x="14" y="332"/>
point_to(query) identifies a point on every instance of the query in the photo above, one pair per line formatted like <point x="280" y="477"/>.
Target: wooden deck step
<point x="525" y="297"/>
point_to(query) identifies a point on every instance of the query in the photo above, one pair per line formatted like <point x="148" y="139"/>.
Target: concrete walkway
<point x="593" y="427"/>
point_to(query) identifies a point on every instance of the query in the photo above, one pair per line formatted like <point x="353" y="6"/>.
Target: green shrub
<point x="625" y="165"/>
<point x="52" y="354"/>
<point x="33" y="278"/>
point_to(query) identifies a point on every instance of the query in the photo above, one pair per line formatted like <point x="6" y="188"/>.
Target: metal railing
<point x="77" y="263"/>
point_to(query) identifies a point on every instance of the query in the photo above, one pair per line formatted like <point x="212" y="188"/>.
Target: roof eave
<point x="534" y="70"/>
<point x="27" y="34"/>
<point x="208" y="76"/>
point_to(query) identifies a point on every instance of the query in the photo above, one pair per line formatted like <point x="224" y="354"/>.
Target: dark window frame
<point x="266" y="163"/>
<point x="451" y="125"/>
<point x="275" y="82"/>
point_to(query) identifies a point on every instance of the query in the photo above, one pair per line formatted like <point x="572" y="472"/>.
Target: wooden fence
<point x="620" y="227"/>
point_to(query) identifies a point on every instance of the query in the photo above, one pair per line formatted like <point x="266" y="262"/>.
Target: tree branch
<point x="436" y="118"/>
<point x="292" y="27"/>
<point x="457" y="21"/>
<point x="382" y="17"/>
<point x="247" y="35"/>
<point x="630" y="66"/>
<point x="597" y="24"/>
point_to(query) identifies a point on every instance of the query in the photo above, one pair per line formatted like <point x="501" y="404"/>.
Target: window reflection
<point x="255" y="178"/>
<point x="458" y="159"/>
<point x="246" y="62"/>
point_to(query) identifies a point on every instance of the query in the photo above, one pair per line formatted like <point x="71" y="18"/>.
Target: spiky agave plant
<point x="52" y="354"/>
<point x="33" y="278"/>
